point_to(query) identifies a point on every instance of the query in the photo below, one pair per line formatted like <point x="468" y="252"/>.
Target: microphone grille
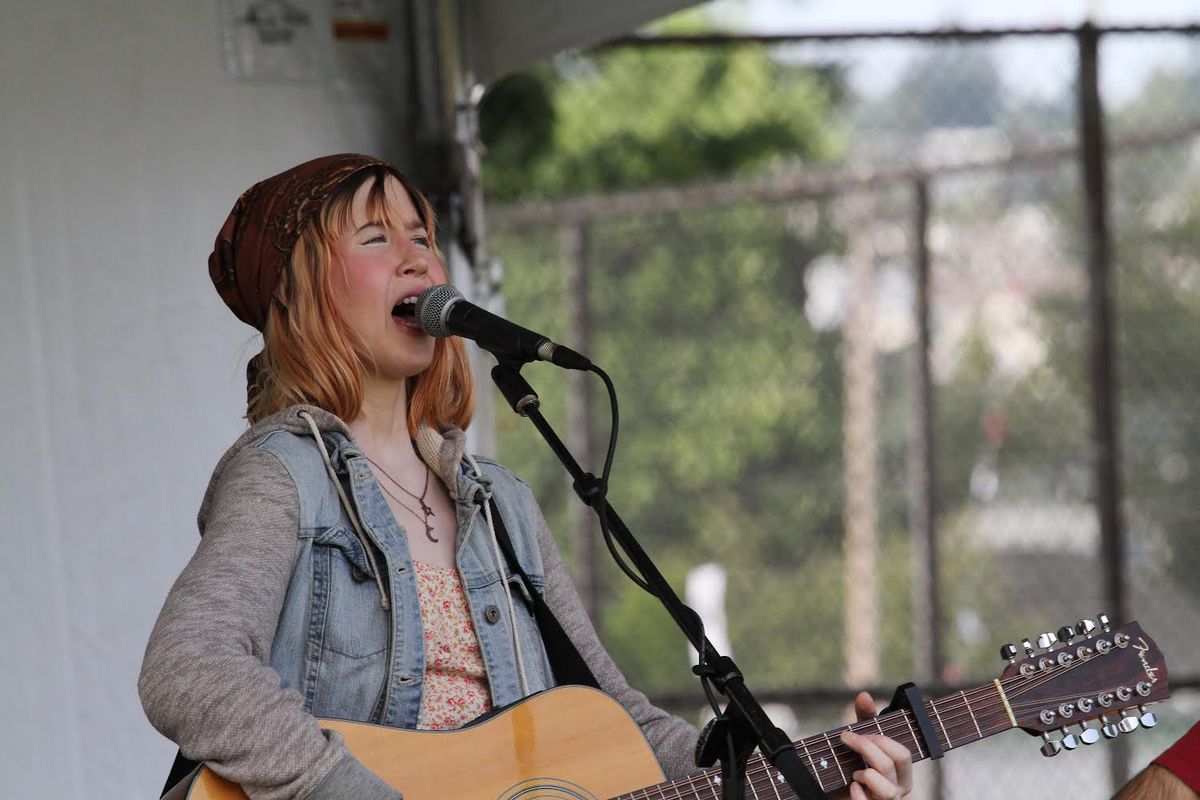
<point x="432" y="307"/>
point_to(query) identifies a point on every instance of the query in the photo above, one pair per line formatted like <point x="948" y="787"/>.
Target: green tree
<point x="633" y="117"/>
<point x="730" y="435"/>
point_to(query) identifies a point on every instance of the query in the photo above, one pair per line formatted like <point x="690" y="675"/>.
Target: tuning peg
<point x="1102" y="618"/>
<point x="1051" y="747"/>
<point x="1084" y="627"/>
<point x="1089" y="735"/>
<point x="1147" y="718"/>
<point x="1009" y="652"/>
<point x="1128" y="723"/>
<point x="1065" y="634"/>
<point x="1109" y="730"/>
<point x="1069" y="740"/>
<point x="1028" y="647"/>
<point x="1047" y="641"/>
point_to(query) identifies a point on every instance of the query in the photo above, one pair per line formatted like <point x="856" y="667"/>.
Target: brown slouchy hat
<point x="256" y="241"/>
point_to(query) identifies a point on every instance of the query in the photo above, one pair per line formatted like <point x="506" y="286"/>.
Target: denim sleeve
<point x="205" y="681"/>
<point x="672" y="739"/>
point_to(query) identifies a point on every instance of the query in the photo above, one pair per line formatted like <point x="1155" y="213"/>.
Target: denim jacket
<point x="348" y="655"/>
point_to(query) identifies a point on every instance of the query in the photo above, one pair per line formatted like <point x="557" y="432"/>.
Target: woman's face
<point x="377" y="266"/>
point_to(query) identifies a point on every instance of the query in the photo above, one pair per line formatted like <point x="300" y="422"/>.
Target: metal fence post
<point x="579" y="437"/>
<point x="1102" y="357"/>
<point x="922" y="477"/>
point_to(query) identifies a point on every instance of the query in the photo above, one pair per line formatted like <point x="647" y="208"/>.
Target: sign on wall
<point x="348" y="44"/>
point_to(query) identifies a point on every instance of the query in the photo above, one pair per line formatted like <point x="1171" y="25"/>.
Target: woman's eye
<point x="421" y="241"/>
<point x="374" y="239"/>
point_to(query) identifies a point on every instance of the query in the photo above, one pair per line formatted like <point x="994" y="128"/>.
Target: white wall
<point x="122" y="147"/>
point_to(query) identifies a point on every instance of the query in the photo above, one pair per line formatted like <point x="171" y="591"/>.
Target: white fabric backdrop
<point x="122" y="148"/>
<point x="123" y="145"/>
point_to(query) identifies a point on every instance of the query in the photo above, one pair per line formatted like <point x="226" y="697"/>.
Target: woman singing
<point x="348" y="565"/>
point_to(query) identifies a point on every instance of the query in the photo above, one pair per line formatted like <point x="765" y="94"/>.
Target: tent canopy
<point x="503" y="35"/>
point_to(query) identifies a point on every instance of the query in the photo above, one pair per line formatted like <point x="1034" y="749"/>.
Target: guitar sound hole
<point x="546" y="789"/>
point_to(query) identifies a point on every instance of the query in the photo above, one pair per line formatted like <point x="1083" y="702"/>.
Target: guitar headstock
<point x="1084" y="673"/>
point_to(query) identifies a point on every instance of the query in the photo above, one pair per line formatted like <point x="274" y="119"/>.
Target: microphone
<point x="443" y="311"/>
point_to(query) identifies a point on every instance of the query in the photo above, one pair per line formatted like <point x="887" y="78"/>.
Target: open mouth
<point x="406" y="308"/>
<point x="406" y="311"/>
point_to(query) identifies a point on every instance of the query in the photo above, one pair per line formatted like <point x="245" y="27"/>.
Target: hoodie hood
<point x="442" y="452"/>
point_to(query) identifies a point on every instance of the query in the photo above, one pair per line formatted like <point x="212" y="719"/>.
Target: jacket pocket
<point x="347" y="617"/>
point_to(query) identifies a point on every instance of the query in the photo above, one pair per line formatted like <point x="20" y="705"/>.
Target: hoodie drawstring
<point x="512" y="612"/>
<point x="358" y="531"/>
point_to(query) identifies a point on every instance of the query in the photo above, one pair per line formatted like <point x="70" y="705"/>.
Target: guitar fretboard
<point x="957" y="719"/>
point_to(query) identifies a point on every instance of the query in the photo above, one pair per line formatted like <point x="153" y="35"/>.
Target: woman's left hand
<point x="888" y="772"/>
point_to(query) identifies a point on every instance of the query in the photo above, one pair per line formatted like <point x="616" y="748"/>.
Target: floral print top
<point x="456" y="687"/>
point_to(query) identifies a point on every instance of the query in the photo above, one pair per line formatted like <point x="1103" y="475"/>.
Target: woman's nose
<point x="414" y="260"/>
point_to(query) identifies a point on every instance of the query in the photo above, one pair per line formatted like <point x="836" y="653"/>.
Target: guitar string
<point x="989" y="716"/>
<point x="893" y="724"/>
<point x="847" y="760"/>
<point x="1026" y="704"/>
<point x="759" y="772"/>
<point x="1022" y="684"/>
<point x="842" y="754"/>
<point x="1074" y="695"/>
<point x="1019" y="684"/>
<point x="1031" y="682"/>
<point x="990" y="721"/>
<point x="759" y="776"/>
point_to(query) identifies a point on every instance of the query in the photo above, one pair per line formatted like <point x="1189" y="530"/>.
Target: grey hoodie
<point x="206" y="682"/>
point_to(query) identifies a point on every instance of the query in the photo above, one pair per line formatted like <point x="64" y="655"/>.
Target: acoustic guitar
<point x="576" y="743"/>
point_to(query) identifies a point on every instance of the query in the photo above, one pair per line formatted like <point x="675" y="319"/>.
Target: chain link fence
<point x="862" y="380"/>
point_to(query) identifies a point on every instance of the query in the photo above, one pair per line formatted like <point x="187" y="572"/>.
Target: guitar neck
<point x="957" y="719"/>
<point x="1098" y="677"/>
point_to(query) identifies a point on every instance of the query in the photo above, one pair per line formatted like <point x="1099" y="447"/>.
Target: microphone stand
<point x="743" y="725"/>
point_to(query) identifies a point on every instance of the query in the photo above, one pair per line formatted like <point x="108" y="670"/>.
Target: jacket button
<point x="491" y="614"/>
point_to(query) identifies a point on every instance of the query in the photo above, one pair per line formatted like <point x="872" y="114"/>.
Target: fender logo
<point x="1142" y="648"/>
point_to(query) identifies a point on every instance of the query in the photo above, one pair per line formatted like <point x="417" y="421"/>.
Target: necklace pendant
<point x="426" y="510"/>
<point x="429" y="532"/>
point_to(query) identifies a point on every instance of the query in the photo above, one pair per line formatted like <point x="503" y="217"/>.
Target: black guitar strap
<point x="179" y="770"/>
<point x="569" y="667"/>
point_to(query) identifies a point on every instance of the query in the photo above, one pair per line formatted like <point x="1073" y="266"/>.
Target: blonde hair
<point x="311" y="355"/>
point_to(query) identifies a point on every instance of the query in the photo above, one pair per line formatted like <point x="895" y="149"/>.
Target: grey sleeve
<point x="206" y="682"/>
<point x="350" y="779"/>
<point x="672" y="739"/>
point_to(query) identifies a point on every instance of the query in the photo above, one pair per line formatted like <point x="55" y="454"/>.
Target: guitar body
<point x="570" y="742"/>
